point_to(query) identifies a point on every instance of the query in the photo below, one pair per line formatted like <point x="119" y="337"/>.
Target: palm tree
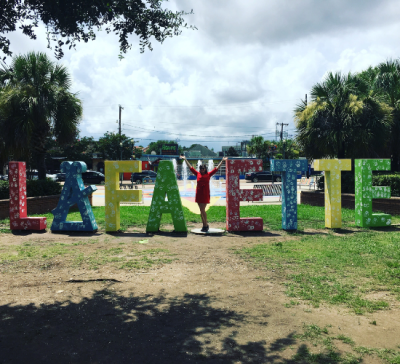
<point x="344" y="119"/>
<point x="387" y="84"/>
<point x="36" y="104"/>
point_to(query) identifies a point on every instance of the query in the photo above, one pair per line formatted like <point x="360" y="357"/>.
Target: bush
<point x="347" y="182"/>
<point x="4" y="194"/>
<point x="33" y="188"/>
<point x="391" y="180"/>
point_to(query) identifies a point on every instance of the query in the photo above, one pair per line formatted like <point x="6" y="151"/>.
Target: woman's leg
<point x="203" y="213"/>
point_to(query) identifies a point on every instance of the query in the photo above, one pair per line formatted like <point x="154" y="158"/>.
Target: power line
<point x="139" y="106"/>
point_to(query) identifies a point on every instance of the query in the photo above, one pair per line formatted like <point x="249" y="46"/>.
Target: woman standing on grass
<point x="203" y="188"/>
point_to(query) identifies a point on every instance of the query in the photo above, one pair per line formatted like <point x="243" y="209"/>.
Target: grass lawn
<point x="316" y="264"/>
<point x="136" y="216"/>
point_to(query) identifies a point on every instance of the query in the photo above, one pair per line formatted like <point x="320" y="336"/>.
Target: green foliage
<point x="259" y="147"/>
<point x="42" y="188"/>
<point x="232" y="152"/>
<point x="157" y="146"/>
<point x="35" y="105"/>
<point x="4" y="190"/>
<point x="391" y="180"/>
<point x="81" y="149"/>
<point x="290" y="147"/>
<point x="348" y="183"/>
<point x="343" y="120"/>
<point x="266" y="149"/>
<point x="33" y="188"/>
<point x="72" y="21"/>
<point x="110" y="146"/>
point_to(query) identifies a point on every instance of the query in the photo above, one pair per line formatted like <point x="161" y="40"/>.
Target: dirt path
<point x="207" y="305"/>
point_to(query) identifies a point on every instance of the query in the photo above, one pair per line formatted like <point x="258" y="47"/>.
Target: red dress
<point x="203" y="185"/>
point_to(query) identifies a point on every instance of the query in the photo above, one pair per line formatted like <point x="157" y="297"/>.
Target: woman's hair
<point x="203" y="166"/>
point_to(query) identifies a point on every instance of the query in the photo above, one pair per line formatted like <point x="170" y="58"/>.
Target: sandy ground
<point x="208" y="305"/>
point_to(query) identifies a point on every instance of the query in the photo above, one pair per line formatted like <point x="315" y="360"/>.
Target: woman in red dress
<point x="203" y="188"/>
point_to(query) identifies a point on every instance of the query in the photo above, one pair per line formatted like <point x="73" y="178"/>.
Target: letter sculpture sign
<point x="333" y="188"/>
<point x="365" y="192"/>
<point x="234" y="195"/>
<point x="74" y="192"/>
<point x="166" y="187"/>
<point x="289" y="168"/>
<point x="114" y="195"/>
<point x="18" y="202"/>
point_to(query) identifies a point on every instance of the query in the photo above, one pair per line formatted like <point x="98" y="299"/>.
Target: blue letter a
<point x="73" y="193"/>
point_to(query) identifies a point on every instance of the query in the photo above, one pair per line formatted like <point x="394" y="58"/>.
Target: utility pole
<point x="120" y="108"/>
<point x="306" y="99"/>
<point x="281" y="137"/>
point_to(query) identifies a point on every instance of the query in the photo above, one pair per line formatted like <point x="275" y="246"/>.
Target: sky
<point x="244" y="69"/>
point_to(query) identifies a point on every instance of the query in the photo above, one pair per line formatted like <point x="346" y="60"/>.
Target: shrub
<point x="391" y="180"/>
<point x="34" y="188"/>
<point x="4" y="190"/>
<point x="347" y="182"/>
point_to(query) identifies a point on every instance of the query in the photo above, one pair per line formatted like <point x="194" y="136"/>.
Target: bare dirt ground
<point x="207" y="305"/>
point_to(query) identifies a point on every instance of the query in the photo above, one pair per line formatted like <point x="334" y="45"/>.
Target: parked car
<point x="263" y="176"/>
<point x="3" y="177"/>
<point x="53" y="177"/>
<point x="92" y="177"/>
<point x="148" y="176"/>
<point x="60" y="177"/>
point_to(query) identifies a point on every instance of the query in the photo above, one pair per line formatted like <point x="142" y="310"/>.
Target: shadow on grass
<point x="341" y="231"/>
<point x="123" y="234"/>
<point x="302" y="232"/>
<point x="170" y="233"/>
<point x="395" y="228"/>
<point x="27" y="232"/>
<point x="109" y="328"/>
<point x="245" y="234"/>
<point x="77" y="233"/>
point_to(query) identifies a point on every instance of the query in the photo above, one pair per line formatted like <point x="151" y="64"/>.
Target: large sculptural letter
<point x="114" y="195"/>
<point x="365" y="192"/>
<point x="166" y="186"/>
<point x="74" y="192"/>
<point x="289" y="168"/>
<point x="18" y="203"/>
<point x="234" y="195"/>
<point x="333" y="188"/>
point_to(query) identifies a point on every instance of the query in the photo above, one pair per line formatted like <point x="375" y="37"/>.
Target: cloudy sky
<point x="242" y="72"/>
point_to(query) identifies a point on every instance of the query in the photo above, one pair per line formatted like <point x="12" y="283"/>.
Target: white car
<point x="35" y="175"/>
<point x="53" y="177"/>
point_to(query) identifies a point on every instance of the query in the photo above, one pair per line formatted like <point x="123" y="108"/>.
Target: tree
<point x="81" y="149"/>
<point x="70" y="21"/>
<point x="116" y="147"/>
<point x="291" y="149"/>
<point x="157" y="146"/>
<point x="344" y="119"/>
<point x="387" y="83"/>
<point x="35" y="105"/>
<point x="259" y="147"/>
<point x="232" y="152"/>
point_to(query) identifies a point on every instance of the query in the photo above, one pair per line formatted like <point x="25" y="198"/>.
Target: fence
<point x="270" y="189"/>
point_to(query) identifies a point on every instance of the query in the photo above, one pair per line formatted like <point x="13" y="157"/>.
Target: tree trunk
<point x="38" y="146"/>
<point x="41" y="165"/>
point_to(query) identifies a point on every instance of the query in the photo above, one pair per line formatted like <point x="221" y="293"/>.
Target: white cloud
<point x="243" y="70"/>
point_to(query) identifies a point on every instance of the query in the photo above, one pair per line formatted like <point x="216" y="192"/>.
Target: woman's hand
<point x="182" y="157"/>
<point x="225" y="158"/>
